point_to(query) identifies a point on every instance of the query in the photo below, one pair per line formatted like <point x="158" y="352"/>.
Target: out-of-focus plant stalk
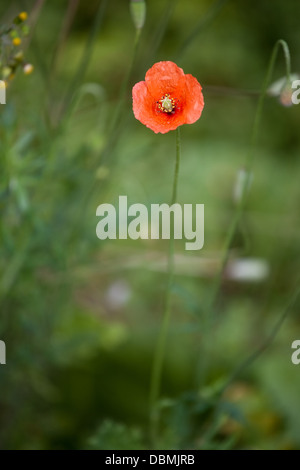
<point x="247" y="179"/>
<point x="124" y="87"/>
<point x="207" y="19"/>
<point x="249" y="159"/>
<point x="64" y="32"/>
<point x="114" y="130"/>
<point x="138" y="14"/>
<point x="256" y="354"/>
<point x="85" y="59"/>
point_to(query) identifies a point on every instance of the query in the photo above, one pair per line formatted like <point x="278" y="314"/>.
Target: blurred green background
<point x="80" y="316"/>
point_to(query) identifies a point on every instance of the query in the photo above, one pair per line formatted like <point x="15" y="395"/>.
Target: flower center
<point x="166" y="104"/>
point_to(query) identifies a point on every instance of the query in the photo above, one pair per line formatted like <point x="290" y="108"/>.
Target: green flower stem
<point x="162" y="338"/>
<point x="246" y="182"/>
<point x="124" y="88"/>
<point x="204" y="21"/>
<point x="84" y="62"/>
<point x="269" y="340"/>
<point x="249" y="162"/>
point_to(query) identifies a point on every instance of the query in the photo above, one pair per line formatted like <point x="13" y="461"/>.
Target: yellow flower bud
<point x="23" y="15"/>
<point x="138" y="12"/>
<point x="16" y="41"/>
<point x="28" y="69"/>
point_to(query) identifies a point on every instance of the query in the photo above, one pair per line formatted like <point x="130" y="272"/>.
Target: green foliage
<point x="112" y="436"/>
<point x="80" y="317"/>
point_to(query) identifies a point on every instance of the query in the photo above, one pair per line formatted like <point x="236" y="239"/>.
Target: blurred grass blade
<point x="86" y="57"/>
<point x="205" y="21"/>
<point x="252" y="358"/>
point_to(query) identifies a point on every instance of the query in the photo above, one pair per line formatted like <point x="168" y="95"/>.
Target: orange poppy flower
<point x="167" y="98"/>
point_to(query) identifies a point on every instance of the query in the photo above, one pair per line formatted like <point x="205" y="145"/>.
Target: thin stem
<point x="249" y="163"/>
<point x="203" y="22"/>
<point x="84" y="62"/>
<point x="159" y="32"/>
<point x="114" y="132"/>
<point x="249" y="361"/>
<point x="241" y="203"/>
<point x="178" y="153"/>
<point x="114" y="126"/>
<point x="162" y="338"/>
<point x="63" y="34"/>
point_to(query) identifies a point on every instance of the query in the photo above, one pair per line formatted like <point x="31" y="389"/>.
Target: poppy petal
<point x="195" y="103"/>
<point x="164" y="77"/>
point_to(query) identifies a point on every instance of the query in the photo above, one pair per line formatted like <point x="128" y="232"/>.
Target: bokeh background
<point x="80" y="316"/>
